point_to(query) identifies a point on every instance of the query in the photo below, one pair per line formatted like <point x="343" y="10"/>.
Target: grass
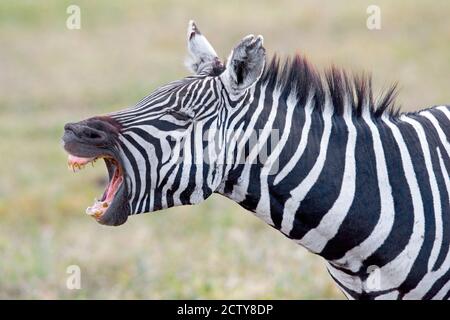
<point x="51" y="75"/>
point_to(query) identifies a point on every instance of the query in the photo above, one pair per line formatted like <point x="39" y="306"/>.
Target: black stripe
<point x="318" y="201"/>
<point x="135" y="168"/>
<point x="419" y="268"/>
<point x="403" y="218"/>
<point x="364" y="212"/>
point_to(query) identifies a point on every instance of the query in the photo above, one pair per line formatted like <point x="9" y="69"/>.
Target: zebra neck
<point x="309" y="184"/>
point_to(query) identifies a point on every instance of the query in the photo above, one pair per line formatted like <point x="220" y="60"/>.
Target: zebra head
<point x="165" y="150"/>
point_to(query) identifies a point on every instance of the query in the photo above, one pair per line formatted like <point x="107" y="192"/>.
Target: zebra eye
<point x="180" y="115"/>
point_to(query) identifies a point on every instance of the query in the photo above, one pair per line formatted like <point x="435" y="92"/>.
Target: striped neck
<point x="309" y="172"/>
<point x="325" y="182"/>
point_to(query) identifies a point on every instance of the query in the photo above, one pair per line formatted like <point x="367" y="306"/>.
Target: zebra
<point x="350" y="177"/>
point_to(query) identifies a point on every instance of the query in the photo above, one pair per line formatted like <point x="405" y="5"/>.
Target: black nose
<point x="87" y="133"/>
<point x="84" y="138"/>
<point x="97" y="130"/>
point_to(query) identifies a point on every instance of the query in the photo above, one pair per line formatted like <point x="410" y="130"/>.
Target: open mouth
<point x="101" y="207"/>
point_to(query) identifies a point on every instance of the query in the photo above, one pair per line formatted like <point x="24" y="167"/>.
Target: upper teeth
<point x="76" y="166"/>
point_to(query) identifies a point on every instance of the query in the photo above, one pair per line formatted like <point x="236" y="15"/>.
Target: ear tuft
<point x="192" y="30"/>
<point x="202" y="56"/>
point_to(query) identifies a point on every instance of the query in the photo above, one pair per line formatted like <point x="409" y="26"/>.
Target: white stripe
<point x="168" y="185"/>
<point x="162" y="135"/>
<point x="211" y="153"/>
<point x="264" y="201"/>
<point x="299" y="192"/>
<point x="187" y="97"/>
<point x="263" y="209"/>
<point x="429" y="279"/>
<point x="351" y="282"/>
<point x="396" y="271"/>
<point x="151" y="156"/>
<point x="197" y="195"/>
<point x="234" y="135"/>
<point x="185" y="164"/>
<point x="130" y="178"/>
<point x="437" y="208"/>
<point x="445" y="143"/>
<point x="439" y="130"/>
<point x="445" y="110"/>
<point x="240" y="191"/>
<point x="137" y="115"/>
<point x="140" y="163"/>
<point x="388" y="296"/>
<point x="353" y="258"/>
<point x="317" y="238"/>
<point x="301" y="146"/>
<point x="444" y="290"/>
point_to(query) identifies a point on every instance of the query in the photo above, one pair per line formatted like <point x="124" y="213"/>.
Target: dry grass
<point x="50" y="75"/>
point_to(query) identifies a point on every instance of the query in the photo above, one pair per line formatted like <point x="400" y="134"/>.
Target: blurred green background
<point x="50" y="75"/>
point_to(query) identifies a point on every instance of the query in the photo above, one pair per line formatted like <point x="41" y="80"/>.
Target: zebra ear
<point x="245" y="64"/>
<point x="202" y="56"/>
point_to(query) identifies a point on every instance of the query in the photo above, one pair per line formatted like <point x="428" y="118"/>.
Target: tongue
<point x="100" y="207"/>
<point x="78" y="160"/>
<point x="113" y="186"/>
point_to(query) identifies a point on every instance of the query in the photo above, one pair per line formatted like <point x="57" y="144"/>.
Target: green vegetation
<point x="50" y="75"/>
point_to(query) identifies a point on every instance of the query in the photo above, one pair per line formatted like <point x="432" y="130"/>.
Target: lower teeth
<point x="97" y="209"/>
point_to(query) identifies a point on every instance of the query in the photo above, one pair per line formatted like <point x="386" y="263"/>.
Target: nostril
<point x="92" y="134"/>
<point x="68" y="126"/>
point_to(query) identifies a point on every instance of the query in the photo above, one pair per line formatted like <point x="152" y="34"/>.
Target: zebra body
<point x="349" y="179"/>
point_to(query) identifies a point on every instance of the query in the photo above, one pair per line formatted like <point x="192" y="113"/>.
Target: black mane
<point x="298" y="74"/>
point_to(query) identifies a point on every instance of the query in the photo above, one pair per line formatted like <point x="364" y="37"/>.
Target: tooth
<point x="98" y="213"/>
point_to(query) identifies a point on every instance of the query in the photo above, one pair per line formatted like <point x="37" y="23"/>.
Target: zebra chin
<point x="86" y="143"/>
